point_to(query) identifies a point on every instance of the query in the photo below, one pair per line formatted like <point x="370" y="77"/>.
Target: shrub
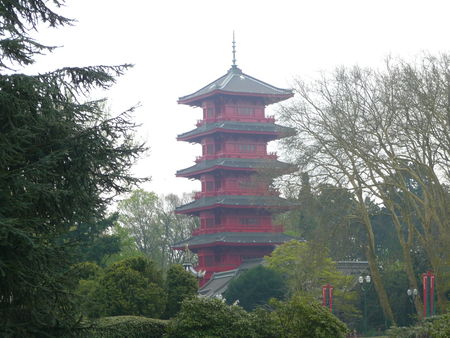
<point x="122" y="326"/>
<point x="300" y="317"/>
<point x="255" y="287"/>
<point x="179" y="285"/>
<point x="205" y="317"/>
<point x="132" y="286"/>
<point x="436" y="327"/>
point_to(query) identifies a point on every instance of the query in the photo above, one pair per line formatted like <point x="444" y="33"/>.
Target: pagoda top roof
<point x="251" y="164"/>
<point x="271" y="129"/>
<point x="236" y="201"/>
<point x="235" y="82"/>
<point x="234" y="238"/>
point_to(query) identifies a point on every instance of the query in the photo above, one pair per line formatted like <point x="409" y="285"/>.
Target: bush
<point x="436" y="327"/>
<point x="122" y="326"/>
<point x="255" y="287"/>
<point x="299" y="317"/>
<point x="180" y="284"/>
<point x="132" y="286"/>
<point x="206" y="317"/>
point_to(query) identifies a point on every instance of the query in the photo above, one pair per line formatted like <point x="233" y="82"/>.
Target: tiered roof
<point x="234" y="238"/>
<point x="235" y="82"/>
<point x="250" y="164"/>
<point x="255" y="128"/>
<point x="236" y="201"/>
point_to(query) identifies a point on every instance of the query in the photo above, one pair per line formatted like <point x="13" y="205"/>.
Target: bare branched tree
<point x="384" y="135"/>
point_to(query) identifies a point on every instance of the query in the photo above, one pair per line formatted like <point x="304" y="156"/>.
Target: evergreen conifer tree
<point x="61" y="162"/>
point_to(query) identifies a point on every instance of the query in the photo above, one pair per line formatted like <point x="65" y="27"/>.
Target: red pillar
<point x="428" y="294"/>
<point x="327" y="296"/>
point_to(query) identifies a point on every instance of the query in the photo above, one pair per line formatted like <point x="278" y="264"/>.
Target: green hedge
<point x="435" y="327"/>
<point x="122" y="326"/>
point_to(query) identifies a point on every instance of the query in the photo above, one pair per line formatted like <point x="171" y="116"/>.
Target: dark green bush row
<point x="122" y="326"/>
<point x="435" y="327"/>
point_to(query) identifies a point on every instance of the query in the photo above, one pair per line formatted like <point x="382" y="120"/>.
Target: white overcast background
<point x="178" y="47"/>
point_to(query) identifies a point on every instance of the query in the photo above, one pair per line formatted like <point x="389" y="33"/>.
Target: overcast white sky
<point x="180" y="46"/>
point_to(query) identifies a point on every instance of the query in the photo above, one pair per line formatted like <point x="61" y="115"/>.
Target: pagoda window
<point x="209" y="260"/>
<point x="210" y="149"/>
<point x="246" y="111"/>
<point x="209" y="112"/>
<point x="217" y="219"/>
<point x="209" y="186"/>
<point x="249" y="221"/>
<point x="246" y="148"/>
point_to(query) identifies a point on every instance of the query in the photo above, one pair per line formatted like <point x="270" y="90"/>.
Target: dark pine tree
<point x="61" y="162"/>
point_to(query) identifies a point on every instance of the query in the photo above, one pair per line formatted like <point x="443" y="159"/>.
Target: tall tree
<point x="155" y="226"/>
<point x="61" y="162"/>
<point x="364" y="129"/>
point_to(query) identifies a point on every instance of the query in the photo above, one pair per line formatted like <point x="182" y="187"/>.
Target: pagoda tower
<point x="235" y="204"/>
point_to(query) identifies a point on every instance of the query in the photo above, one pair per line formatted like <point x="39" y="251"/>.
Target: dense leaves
<point x="200" y="317"/>
<point x="180" y="285"/>
<point x="255" y="287"/>
<point x="301" y="318"/>
<point x="121" y="326"/>
<point x="129" y="287"/>
<point x="61" y="163"/>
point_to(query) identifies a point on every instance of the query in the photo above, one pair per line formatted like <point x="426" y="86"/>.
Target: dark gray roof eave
<point x="227" y="84"/>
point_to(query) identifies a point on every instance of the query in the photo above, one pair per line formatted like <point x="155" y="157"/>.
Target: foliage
<point x="255" y="287"/>
<point x="92" y="242"/>
<point x="130" y="287"/>
<point x="180" y="285"/>
<point x="299" y="317"/>
<point x="127" y="245"/>
<point x="384" y="135"/>
<point x="210" y="317"/>
<point x="307" y="268"/>
<point x="324" y="215"/>
<point x="154" y="225"/>
<point x="436" y="327"/>
<point x="121" y="326"/>
<point x="61" y="163"/>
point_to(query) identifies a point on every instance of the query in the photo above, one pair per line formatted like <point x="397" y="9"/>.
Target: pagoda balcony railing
<point x="240" y="192"/>
<point x="271" y="155"/>
<point x="237" y="228"/>
<point x="268" y="119"/>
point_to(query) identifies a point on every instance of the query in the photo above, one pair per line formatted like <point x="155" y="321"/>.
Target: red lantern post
<point x="428" y="294"/>
<point x="327" y="296"/>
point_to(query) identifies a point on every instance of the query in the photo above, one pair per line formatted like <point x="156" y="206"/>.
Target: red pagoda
<point x="235" y="204"/>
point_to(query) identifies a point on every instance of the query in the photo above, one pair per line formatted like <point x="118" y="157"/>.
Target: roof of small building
<point x="236" y="201"/>
<point x="235" y="82"/>
<point x="235" y="164"/>
<point x="237" y="238"/>
<point x="219" y="281"/>
<point x="271" y="129"/>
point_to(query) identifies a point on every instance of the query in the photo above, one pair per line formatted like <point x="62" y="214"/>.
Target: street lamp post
<point x="364" y="282"/>
<point x="412" y="294"/>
